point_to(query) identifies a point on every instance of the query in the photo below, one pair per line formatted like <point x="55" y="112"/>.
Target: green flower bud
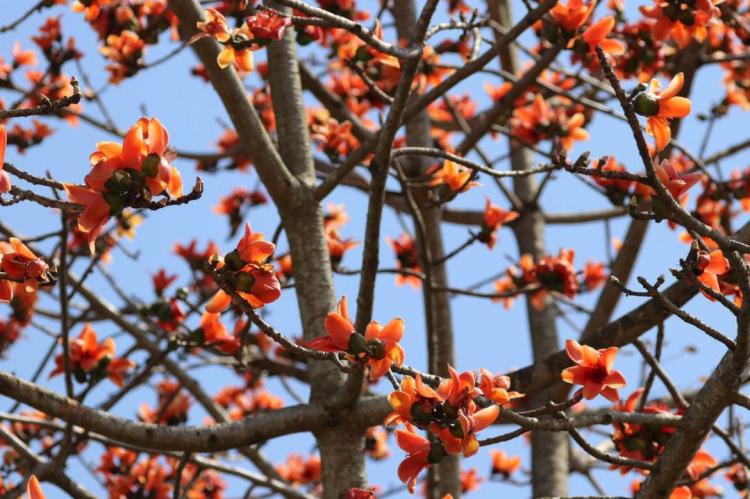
<point x="244" y="282"/>
<point x="646" y="104"/>
<point x="357" y="344"/>
<point x="233" y="261"/>
<point x="375" y="349"/>
<point x="150" y="165"/>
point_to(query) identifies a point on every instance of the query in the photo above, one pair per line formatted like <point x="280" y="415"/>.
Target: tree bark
<point x="549" y="451"/>
<point x="446" y="476"/>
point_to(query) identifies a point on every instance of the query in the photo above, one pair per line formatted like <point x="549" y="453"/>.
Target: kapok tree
<point x="442" y="124"/>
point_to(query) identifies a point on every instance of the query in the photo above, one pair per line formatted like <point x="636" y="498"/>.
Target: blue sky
<point x="486" y="335"/>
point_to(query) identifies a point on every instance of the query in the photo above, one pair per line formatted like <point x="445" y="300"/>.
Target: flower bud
<point x="233" y="261"/>
<point x="375" y="349"/>
<point x="646" y="104"/>
<point x="357" y="344"/>
<point x="150" y="165"/>
<point x="244" y="282"/>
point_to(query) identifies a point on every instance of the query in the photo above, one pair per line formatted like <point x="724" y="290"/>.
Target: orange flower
<point x="91" y="8"/>
<point x="683" y="21"/>
<point x="173" y="405"/>
<point x="406" y="255"/>
<point x="379" y="345"/>
<point x="419" y="455"/>
<point x="470" y="481"/>
<point x="494" y="217"/>
<point x="503" y="464"/>
<point x="497" y="387"/>
<point x="125" y="51"/>
<point x="376" y="443"/>
<point x="455" y="177"/>
<point x="709" y="266"/>
<point x="593" y="371"/>
<point x="460" y="436"/>
<point x="215" y="334"/>
<point x="236" y="42"/>
<point x="597" y="33"/>
<point x="214" y="25"/>
<point x="23" y="57"/>
<point x="572" y="16"/>
<point x="21" y="265"/>
<point x="33" y="489"/>
<point x="4" y="178"/>
<point x="337" y="247"/>
<point x="539" y="120"/>
<point x="412" y="391"/>
<point x="594" y="274"/>
<point x="246" y="269"/>
<point x="91" y="360"/>
<point x="660" y="106"/>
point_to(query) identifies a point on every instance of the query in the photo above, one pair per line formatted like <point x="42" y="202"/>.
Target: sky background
<point x="486" y="335"/>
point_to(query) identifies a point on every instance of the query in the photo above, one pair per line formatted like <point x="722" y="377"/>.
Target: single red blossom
<point x="470" y="480"/>
<point x="162" y="281"/>
<point x="419" y="455"/>
<point x="91" y="359"/>
<point x="593" y="371"/>
<point x="268" y="24"/>
<point x="504" y="465"/>
<point x="493" y="218"/>
<point x="21" y="265"/>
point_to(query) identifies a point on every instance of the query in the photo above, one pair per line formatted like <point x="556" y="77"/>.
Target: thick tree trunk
<point x="446" y="476"/>
<point x="549" y="451"/>
<point x="341" y="447"/>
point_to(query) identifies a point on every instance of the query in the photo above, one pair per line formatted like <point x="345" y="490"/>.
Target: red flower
<point x="162" y="281"/>
<point x="406" y="254"/>
<point x="89" y="358"/>
<point x="268" y="24"/>
<point x="419" y="455"/>
<point x="494" y="217"/>
<point x="594" y="371"/>
<point x="22" y="265"/>
<point x="709" y="266"/>
<point x="503" y="464"/>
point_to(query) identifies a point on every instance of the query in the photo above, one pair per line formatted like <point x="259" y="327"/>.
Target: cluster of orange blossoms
<point x="91" y="361"/>
<point x="125" y="475"/>
<point x="378" y="347"/>
<point x="451" y="412"/>
<point x="127" y="174"/>
<point x="239" y="43"/>
<point x="246" y="270"/>
<point x="549" y="274"/>
<point x="172" y="408"/>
